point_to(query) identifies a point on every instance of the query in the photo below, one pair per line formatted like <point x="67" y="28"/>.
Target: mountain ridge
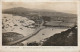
<point x="37" y="11"/>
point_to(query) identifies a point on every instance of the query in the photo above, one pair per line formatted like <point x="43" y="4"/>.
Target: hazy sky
<point x="68" y="7"/>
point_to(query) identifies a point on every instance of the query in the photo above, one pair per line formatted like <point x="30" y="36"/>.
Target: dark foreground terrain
<point x="66" y="38"/>
<point x="10" y="37"/>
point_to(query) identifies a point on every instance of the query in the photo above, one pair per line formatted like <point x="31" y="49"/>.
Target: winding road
<point x="31" y="35"/>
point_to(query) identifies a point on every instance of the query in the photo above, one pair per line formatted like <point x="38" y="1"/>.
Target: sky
<point x="67" y="7"/>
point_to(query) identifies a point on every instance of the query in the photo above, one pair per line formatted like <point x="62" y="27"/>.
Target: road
<point x="31" y="35"/>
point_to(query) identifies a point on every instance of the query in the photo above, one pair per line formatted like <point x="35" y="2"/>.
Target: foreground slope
<point x="66" y="38"/>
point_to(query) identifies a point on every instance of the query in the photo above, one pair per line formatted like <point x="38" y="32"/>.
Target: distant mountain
<point x="25" y="11"/>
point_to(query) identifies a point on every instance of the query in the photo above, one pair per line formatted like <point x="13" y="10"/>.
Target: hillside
<point x="65" y="38"/>
<point x="10" y="37"/>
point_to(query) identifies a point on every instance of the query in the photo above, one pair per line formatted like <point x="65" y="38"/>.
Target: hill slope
<point x="66" y="38"/>
<point x="10" y="37"/>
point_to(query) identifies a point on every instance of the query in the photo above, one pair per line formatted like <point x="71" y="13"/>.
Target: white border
<point x="40" y="48"/>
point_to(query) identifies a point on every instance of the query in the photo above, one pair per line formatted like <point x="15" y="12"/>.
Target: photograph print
<point x="39" y="24"/>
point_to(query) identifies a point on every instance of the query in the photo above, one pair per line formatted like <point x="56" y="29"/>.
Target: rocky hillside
<point x="66" y="38"/>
